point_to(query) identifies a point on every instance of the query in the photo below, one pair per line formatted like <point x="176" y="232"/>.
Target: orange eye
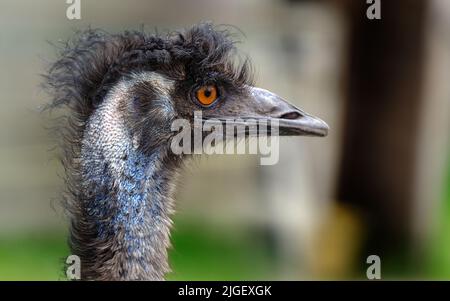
<point x="206" y="95"/>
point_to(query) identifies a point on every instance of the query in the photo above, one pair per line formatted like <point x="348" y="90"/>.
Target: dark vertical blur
<point x="383" y="89"/>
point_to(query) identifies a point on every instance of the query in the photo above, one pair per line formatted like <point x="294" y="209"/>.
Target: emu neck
<point x="127" y="202"/>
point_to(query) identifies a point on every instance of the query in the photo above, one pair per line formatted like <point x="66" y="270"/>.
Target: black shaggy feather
<point x="94" y="60"/>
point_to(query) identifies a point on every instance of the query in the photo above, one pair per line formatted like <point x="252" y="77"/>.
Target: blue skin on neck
<point x="128" y="200"/>
<point x="122" y="220"/>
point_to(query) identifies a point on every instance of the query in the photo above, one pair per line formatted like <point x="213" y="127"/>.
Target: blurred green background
<point x="197" y="254"/>
<point x="378" y="184"/>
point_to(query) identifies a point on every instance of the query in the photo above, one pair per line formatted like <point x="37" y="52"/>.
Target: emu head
<point x="198" y="71"/>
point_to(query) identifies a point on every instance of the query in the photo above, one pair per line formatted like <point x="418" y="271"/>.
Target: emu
<point x="120" y="93"/>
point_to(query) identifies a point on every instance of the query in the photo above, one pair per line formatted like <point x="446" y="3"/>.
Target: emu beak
<point x="265" y="105"/>
<point x="268" y="108"/>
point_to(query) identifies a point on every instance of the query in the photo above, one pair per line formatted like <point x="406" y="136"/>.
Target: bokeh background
<point x="379" y="184"/>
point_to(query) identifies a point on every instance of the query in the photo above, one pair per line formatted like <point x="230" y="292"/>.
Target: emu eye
<point x="206" y="95"/>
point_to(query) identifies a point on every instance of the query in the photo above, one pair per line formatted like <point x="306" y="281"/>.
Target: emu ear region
<point x="262" y="105"/>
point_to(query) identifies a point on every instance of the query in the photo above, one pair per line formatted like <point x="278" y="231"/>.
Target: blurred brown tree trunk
<point x="383" y="100"/>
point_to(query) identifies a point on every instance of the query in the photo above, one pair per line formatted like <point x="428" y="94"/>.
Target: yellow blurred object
<point x="337" y="244"/>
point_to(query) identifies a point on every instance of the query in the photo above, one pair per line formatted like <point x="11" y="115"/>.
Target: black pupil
<point x="207" y="92"/>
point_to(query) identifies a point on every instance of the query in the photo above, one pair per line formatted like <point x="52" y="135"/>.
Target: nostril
<point x="291" y="115"/>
